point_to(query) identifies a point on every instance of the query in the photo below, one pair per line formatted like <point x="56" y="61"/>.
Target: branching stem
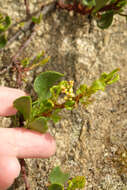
<point x="62" y="106"/>
<point x="84" y="10"/>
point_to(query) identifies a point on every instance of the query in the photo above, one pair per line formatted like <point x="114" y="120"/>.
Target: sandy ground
<point x="90" y="141"/>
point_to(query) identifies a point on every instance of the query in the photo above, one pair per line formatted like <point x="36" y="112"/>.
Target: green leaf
<point x="99" y="5"/>
<point x="111" y="77"/>
<point x="4" y="23"/>
<point x="56" y="187"/>
<point x="44" y="82"/>
<point x="55" y="117"/>
<point x="69" y="104"/>
<point x="24" y="106"/>
<point x="81" y="89"/>
<point x="25" y="62"/>
<point x="122" y="3"/>
<point x="77" y="182"/>
<point x="37" y="20"/>
<point x="3" y="41"/>
<point x="40" y="63"/>
<point x="57" y="176"/>
<point x="7" y="21"/>
<point x="106" y="20"/>
<point x="98" y="85"/>
<point x="105" y="79"/>
<point x="39" y="124"/>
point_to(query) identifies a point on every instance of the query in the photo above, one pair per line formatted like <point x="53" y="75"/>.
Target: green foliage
<point x="44" y="82"/>
<point x="3" y="41"/>
<point x="39" y="124"/>
<point x="77" y="182"/>
<point x="99" y="5"/>
<point x="58" y="179"/>
<point x="25" y="62"/>
<point x="57" y="176"/>
<point x="4" y="24"/>
<point x="50" y="102"/>
<point x="28" y="64"/>
<point x="37" y="20"/>
<point x="55" y="116"/>
<point x="105" y="79"/>
<point x="105" y="20"/>
<point x="39" y="60"/>
<point x="104" y="10"/>
<point x="24" y="106"/>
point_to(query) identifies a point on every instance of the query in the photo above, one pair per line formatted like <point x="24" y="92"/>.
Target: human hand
<point x="18" y="142"/>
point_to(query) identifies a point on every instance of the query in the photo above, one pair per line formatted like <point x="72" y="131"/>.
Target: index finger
<point x="25" y="143"/>
<point x="7" y="97"/>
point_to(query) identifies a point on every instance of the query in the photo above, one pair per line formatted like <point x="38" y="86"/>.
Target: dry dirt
<point x="88" y="140"/>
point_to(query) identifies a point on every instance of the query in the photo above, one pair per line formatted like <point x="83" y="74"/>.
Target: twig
<point x="62" y="106"/>
<point x="26" y="2"/>
<point x="113" y="6"/>
<point x="33" y="27"/>
<point x="13" y="38"/>
<point x="45" y="9"/>
<point x="16" y="65"/>
<point x="24" y="175"/>
<point x="122" y="14"/>
<point x="23" y="46"/>
<point x="84" y="10"/>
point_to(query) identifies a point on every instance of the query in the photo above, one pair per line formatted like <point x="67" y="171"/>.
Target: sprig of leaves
<point x="58" y="178"/>
<point x="50" y="102"/>
<point x="104" y="10"/>
<point x="27" y="64"/>
<point x="4" y="24"/>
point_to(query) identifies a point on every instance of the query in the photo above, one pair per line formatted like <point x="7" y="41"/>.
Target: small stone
<point x="6" y="122"/>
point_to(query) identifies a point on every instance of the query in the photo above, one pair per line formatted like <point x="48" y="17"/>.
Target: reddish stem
<point x="79" y="8"/>
<point x="24" y="175"/>
<point x="26" y="2"/>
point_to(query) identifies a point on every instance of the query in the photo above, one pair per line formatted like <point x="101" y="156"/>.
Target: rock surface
<point x="87" y="139"/>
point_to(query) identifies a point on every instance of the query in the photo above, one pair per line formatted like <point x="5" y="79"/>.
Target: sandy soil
<point x="89" y="141"/>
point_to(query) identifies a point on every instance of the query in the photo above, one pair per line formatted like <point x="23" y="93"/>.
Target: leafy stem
<point x="52" y="98"/>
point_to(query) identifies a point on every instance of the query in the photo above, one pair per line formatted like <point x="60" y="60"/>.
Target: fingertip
<point x="7" y="97"/>
<point x="35" y="145"/>
<point x="51" y="146"/>
<point x="25" y="143"/>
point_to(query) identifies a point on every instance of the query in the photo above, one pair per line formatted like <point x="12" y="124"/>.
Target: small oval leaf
<point x="106" y="20"/>
<point x="24" y="106"/>
<point x="3" y="41"/>
<point x="99" y="5"/>
<point x="57" y="176"/>
<point x="44" y="82"/>
<point x="39" y="124"/>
